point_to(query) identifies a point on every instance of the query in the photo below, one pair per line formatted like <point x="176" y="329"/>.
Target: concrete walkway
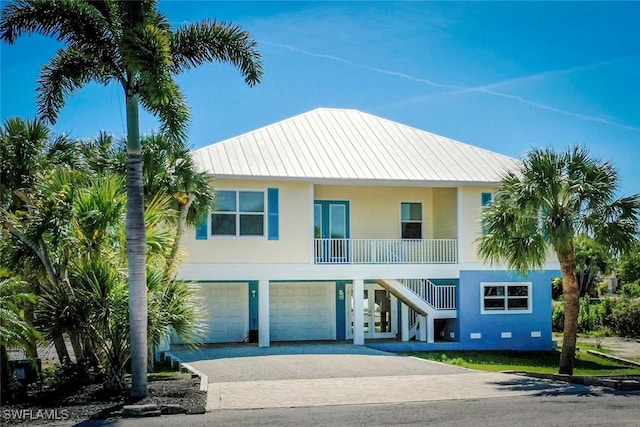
<point x="284" y="376"/>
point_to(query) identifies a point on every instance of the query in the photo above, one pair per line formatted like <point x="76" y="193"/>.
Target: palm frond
<point x="146" y="48"/>
<point x="161" y="95"/>
<point x="207" y="41"/>
<point x="68" y="71"/>
<point x="77" y="23"/>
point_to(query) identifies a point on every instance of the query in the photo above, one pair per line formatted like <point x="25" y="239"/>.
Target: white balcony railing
<point x="386" y="251"/>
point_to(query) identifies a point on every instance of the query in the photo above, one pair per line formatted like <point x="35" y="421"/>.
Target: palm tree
<point x="14" y="329"/>
<point x="29" y="150"/>
<point x="27" y="147"/>
<point x="544" y="205"/>
<point x="132" y="44"/>
<point x="170" y="170"/>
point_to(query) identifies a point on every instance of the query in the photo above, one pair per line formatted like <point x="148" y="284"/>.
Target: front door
<point x="380" y="318"/>
<point x="331" y="226"/>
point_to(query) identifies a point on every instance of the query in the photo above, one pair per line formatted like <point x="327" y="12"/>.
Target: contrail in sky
<point x="366" y="67"/>
<point x="488" y="88"/>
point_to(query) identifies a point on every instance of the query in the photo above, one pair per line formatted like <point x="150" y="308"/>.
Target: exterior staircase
<point x="423" y="301"/>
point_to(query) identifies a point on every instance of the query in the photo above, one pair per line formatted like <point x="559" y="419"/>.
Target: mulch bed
<point x="91" y="401"/>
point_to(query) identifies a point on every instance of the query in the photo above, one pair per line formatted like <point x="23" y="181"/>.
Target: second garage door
<point x="302" y="311"/>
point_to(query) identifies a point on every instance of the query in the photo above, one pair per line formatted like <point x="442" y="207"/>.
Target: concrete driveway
<point x="304" y="375"/>
<point x="305" y="361"/>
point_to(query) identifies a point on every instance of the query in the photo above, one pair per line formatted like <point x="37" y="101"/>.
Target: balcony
<point x="386" y="251"/>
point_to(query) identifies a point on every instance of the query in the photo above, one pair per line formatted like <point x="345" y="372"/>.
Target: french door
<point x="331" y="226"/>
<point x="380" y="312"/>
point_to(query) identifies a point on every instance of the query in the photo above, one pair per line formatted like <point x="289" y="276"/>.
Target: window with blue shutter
<point x="486" y="199"/>
<point x="202" y="231"/>
<point x="273" y="208"/>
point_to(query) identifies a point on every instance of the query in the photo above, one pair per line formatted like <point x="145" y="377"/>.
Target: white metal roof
<point x="335" y="145"/>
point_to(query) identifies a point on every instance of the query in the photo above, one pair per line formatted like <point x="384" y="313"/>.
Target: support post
<point x="430" y="330"/>
<point x="264" y="339"/>
<point x="404" y="322"/>
<point x="460" y="223"/>
<point x="422" y="328"/>
<point x="358" y="312"/>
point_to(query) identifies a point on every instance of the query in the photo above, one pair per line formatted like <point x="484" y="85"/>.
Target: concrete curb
<point x="204" y="379"/>
<point x="618" y="382"/>
<point x="615" y="358"/>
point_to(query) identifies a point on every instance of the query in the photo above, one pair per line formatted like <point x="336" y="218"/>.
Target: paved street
<point x="346" y="385"/>
<point x="571" y="407"/>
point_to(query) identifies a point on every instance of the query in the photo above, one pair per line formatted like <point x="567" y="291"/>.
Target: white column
<point x="404" y="322"/>
<point x="358" y="312"/>
<point x="460" y="214"/>
<point x="422" y="327"/>
<point x="311" y="219"/>
<point x="263" y="314"/>
<point x="430" y="330"/>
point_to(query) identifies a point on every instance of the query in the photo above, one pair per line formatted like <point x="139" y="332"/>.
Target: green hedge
<point x="621" y="316"/>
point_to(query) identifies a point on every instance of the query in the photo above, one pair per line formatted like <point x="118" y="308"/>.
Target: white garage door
<point x="226" y="312"/>
<point x="302" y="311"/>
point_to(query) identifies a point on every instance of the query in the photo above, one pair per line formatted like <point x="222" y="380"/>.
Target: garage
<point x="302" y="311"/>
<point x="226" y="312"/>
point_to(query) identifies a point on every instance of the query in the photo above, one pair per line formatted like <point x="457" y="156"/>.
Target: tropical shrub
<point x="604" y="309"/>
<point x="587" y="315"/>
<point x="630" y="290"/>
<point x="625" y="318"/>
<point x="628" y="270"/>
<point x="603" y="288"/>
<point x="557" y="318"/>
<point x="556" y="288"/>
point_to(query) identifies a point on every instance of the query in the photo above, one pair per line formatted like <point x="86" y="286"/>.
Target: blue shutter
<point x="273" y="206"/>
<point x="202" y="231"/>
<point x="486" y="199"/>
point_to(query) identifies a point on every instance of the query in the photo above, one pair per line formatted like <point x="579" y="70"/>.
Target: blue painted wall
<point x="253" y="304"/>
<point x="492" y="325"/>
<point x="341" y="311"/>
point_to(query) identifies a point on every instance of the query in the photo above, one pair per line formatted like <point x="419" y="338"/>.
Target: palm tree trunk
<point x="32" y="346"/>
<point x="61" y="350"/>
<point x="571" y="301"/>
<point x="76" y="346"/>
<point x="180" y="229"/>
<point x="136" y="253"/>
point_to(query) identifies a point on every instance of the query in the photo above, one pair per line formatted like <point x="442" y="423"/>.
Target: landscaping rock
<point x="148" y="410"/>
<point x="171" y="409"/>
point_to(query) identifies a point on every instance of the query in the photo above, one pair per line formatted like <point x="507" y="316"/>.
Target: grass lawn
<point x="532" y="361"/>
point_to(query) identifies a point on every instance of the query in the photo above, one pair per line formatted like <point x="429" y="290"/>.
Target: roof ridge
<point x="288" y="119"/>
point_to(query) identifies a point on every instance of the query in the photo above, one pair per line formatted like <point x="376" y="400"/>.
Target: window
<point x="506" y="297"/>
<point x="411" y="219"/>
<point x="487" y="198"/>
<point x="238" y="213"/>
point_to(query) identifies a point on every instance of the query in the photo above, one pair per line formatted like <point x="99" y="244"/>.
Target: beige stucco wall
<point x="472" y="210"/>
<point x="375" y="211"/>
<point x="445" y="216"/>
<point x="472" y="205"/>
<point x="295" y="230"/>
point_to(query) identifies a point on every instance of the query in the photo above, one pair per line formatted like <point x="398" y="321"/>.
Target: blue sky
<point x="505" y="76"/>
